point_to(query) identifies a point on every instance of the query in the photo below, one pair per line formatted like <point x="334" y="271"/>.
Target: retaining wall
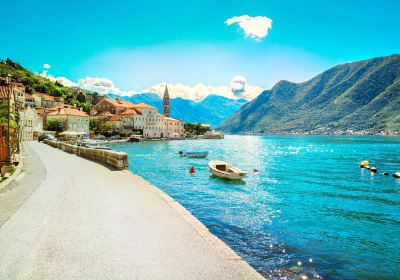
<point x="119" y="160"/>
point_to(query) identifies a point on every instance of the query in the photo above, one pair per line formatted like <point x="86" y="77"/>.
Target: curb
<point x="17" y="171"/>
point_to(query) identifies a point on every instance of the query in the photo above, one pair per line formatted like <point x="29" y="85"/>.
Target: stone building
<point x="30" y="123"/>
<point x="70" y="118"/>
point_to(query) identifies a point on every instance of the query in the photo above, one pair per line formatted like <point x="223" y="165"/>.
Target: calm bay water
<point x="309" y="211"/>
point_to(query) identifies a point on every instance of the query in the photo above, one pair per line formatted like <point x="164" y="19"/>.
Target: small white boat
<point x="193" y="154"/>
<point x="225" y="170"/>
<point x="213" y="135"/>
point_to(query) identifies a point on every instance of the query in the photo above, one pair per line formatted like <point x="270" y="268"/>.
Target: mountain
<point x="214" y="109"/>
<point x="361" y="96"/>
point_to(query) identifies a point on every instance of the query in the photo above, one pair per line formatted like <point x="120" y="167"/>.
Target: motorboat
<point x="98" y="147"/>
<point x="203" y="154"/>
<point x="226" y="170"/>
<point x="213" y="135"/>
<point x="135" y="139"/>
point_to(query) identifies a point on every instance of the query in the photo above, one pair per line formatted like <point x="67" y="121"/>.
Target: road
<point x="66" y="217"/>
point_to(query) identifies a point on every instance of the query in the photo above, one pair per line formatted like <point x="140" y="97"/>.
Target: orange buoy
<point x="192" y="171"/>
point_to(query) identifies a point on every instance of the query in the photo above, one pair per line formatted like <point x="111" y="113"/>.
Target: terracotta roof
<point x="68" y="111"/>
<point x="120" y="103"/>
<point x="130" y="112"/>
<point x="19" y="84"/>
<point x="3" y="92"/>
<point x="143" y="105"/>
<point x="115" y="118"/>
<point x="29" y="96"/>
<point x="104" y="114"/>
<point x="39" y="94"/>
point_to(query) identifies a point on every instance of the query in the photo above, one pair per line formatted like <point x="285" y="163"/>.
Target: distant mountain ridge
<point x="214" y="109"/>
<point x="360" y="96"/>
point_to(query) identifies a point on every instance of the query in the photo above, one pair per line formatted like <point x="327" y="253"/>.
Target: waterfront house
<point x="47" y="101"/>
<point x="115" y="123"/>
<point x="113" y="106"/>
<point x="133" y="120"/>
<point x="70" y="118"/>
<point x="173" y="128"/>
<point x="150" y="120"/>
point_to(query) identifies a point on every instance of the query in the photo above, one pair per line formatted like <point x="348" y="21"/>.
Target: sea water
<point x="310" y="210"/>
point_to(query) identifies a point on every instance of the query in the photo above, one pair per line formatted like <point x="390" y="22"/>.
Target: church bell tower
<point x="166" y="102"/>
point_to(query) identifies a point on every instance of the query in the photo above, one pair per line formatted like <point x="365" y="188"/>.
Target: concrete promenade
<point x="66" y="217"/>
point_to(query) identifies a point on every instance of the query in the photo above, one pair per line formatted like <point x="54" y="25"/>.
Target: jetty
<point x="68" y="217"/>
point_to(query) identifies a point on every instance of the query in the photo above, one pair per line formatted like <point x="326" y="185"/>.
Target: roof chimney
<point x="80" y="109"/>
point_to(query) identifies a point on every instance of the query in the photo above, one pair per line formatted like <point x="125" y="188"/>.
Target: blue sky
<point x="138" y="44"/>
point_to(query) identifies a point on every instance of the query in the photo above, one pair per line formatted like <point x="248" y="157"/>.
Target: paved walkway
<point x="71" y="218"/>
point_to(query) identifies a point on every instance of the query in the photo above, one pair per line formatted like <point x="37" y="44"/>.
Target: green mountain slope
<point x="35" y="83"/>
<point x="361" y="96"/>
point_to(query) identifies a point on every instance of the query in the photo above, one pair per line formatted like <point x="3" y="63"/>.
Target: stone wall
<point x="119" y="160"/>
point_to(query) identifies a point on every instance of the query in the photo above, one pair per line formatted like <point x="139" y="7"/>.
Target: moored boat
<point x="202" y="154"/>
<point x="135" y="139"/>
<point x="226" y="170"/>
<point x="213" y="135"/>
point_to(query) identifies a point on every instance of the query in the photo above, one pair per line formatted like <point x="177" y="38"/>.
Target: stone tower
<point x="166" y="102"/>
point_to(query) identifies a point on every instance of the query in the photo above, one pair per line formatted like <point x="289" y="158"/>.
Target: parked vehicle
<point x="46" y="137"/>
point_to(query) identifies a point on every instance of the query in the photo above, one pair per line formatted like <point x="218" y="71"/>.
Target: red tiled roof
<point x="104" y="114"/>
<point x="143" y="105"/>
<point x="67" y="111"/>
<point x="130" y="112"/>
<point x="28" y="96"/>
<point x="119" y="103"/>
<point x="39" y="94"/>
<point x="115" y="118"/>
<point x="3" y="92"/>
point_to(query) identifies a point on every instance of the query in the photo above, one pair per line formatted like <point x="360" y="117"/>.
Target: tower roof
<point x="166" y="93"/>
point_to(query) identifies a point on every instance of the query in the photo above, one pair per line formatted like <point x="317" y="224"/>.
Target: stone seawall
<point x="118" y="160"/>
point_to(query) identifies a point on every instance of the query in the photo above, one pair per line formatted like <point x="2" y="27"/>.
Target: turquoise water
<point x="309" y="211"/>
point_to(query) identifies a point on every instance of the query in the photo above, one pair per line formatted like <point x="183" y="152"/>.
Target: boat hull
<point x="193" y="154"/>
<point x="230" y="171"/>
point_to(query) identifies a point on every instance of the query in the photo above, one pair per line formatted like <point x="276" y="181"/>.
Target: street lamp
<point x="8" y="163"/>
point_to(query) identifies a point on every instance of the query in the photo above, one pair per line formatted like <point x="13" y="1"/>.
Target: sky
<point x="228" y="47"/>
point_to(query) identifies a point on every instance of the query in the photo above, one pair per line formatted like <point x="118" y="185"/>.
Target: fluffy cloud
<point x="64" y="81"/>
<point x="102" y="86"/>
<point x="253" y="27"/>
<point x="46" y="66"/>
<point x="238" y="89"/>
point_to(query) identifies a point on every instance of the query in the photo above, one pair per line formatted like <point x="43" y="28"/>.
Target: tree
<point x="53" y="125"/>
<point x="195" y="128"/>
<point x="81" y="97"/>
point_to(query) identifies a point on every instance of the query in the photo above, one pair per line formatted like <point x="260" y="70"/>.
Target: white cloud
<point x="101" y="85"/>
<point x="238" y="89"/>
<point x="64" y="81"/>
<point x="46" y="66"/>
<point x="253" y="27"/>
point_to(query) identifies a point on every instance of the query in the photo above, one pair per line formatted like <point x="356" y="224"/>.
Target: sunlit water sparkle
<point x="310" y="211"/>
